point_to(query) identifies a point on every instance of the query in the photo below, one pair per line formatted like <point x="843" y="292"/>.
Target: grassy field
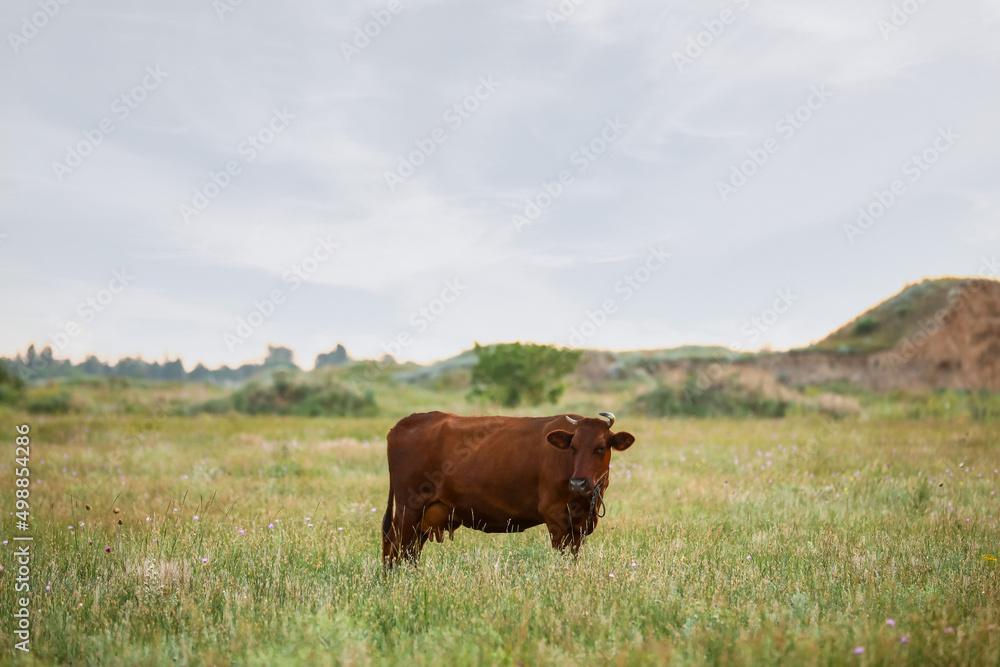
<point x="255" y="541"/>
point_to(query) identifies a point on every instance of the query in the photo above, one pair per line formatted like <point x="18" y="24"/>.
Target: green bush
<point x="724" y="399"/>
<point x="11" y="385"/>
<point x="50" y="401"/>
<point x="285" y="396"/>
<point x="865" y="325"/>
<point x="512" y="373"/>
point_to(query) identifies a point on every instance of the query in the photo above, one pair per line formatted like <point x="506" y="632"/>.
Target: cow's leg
<point x="567" y="526"/>
<point x="558" y="532"/>
<point x="389" y="545"/>
<point x="409" y="535"/>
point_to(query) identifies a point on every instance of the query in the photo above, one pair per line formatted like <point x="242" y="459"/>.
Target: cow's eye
<point x="600" y="451"/>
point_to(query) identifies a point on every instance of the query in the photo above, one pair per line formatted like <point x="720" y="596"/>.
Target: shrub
<point x="285" y="396"/>
<point x="50" y="401"/>
<point x="724" y="399"/>
<point x="512" y="373"/>
<point x="865" y="325"/>
<point x="11" y="385"/>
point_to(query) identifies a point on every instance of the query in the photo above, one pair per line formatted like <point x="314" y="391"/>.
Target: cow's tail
<point x="387" y="529"/>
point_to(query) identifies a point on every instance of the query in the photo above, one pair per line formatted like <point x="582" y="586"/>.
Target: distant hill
<point x="615" y="363"/>
<point x="896" y="319"/>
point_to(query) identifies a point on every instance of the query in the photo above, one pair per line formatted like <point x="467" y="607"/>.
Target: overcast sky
<point x="693" y="165"/>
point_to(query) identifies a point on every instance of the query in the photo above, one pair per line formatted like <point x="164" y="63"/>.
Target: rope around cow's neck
<point x="597" y="498"/>
<point x="596" y="501"/>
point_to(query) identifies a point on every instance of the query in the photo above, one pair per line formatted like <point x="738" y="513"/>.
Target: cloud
<point x="559" y="82"/>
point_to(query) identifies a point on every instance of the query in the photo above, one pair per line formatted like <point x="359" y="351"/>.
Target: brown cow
<point x="496" y="474"/>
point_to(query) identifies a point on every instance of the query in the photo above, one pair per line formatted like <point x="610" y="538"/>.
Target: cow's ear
<point x="622" y="440"/>
<point x="559" y="439"/>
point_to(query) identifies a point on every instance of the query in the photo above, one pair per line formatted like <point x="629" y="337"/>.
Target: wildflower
<point x="48" y="588"/>
<point x="858" y="650"/>
<point x="154" y="539"/>
<point x="749" y="558"/>
<point x="70" y="527"/>
<point x="119" y="522"/>
<point x="107" y="549"/>
<point x="310" y="525"/>
<point x="612" y="575"/>
<point x="340" y="527"/>
<point x="989" y="558"/>
<point x="175" y="509"/>
<point x="90" y="542"/>
<point x="890" y="622"/>
<point x="904" y="639"/>
<point x="81" y="524"/>
<point x="241" y="531"/>
<point x="116" y="510"/>
<point x="950" y="631"/>
<point x="270" y="526"/>
<point x="195" y="517"/>
<point x="5" y="542"/>
<point x="204" y="560"/>
<point x="633" y="564"/>
<point x="148" y="518"/>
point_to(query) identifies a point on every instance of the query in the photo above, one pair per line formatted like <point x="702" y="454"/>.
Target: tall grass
<point x="729" y="541"/>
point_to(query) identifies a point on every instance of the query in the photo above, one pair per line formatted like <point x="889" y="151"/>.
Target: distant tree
<point x="335" y="358"/>
<point x="279" y="356"/>
<point x="46" y="356"/>
<point x="512" y="373"/>
<point x="173" y="370"/>
<point x="93" y="366"/>
<point x="131" y="368"/>
<point x="199" y="374"/>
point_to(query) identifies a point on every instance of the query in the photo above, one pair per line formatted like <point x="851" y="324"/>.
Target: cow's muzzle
<point x="578" y="485"/>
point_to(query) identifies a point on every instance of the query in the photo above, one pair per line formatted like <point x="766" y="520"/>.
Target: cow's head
<point x="591" y="442"/>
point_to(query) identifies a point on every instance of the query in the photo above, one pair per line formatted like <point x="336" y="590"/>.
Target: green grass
<point x="752" y="541"/>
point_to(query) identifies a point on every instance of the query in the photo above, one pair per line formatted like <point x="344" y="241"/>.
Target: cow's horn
<point x="571" y="420"/>
<point x="610" y="417"/>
